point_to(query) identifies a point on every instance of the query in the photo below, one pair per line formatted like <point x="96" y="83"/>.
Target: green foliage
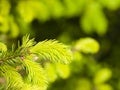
<point x="51" y="73"/>
<point x="53" y="51"/>
<point x="93" y="66"/>
<point x="34" y="74"/>
<point x="83" y="84"/>
<point x="3" y="47"/>
<point x="104" y="87"/>
<point x="87" y="45"/>
<point x="94" y="19"/>
<point x="30" y="87"/>
<point x="112" y="5"/>
<point x="102" y="76"/>
<point x="63" y="71"/>
<point x="13" y="79"/>
<point x="16" y="16"/>
<point x="84" y="72"/>
<point x="19" y="70"/>
<point x="55" y="71"/>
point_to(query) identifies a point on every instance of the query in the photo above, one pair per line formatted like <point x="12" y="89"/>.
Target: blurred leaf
<point x="65" y="37"/>
<point x="87" y="45"/>
<point x="111" y="4"/>
<point x="51" y="72"/>
<point x="71" y="8"/>
<point x="55" y="8"/>
<point x="94" y="19"/>
<point x="102" y="75"/>
<point x="77" y="56"/>
<point x="83" y="84"/>
<point x="3" y="47"/>
<point x="39" y="9"/>
<point x="14" y="29"/>
<point x="4" y="24"/>
<point x="63" y="70"/>
<point x="4" y="7"/>
<point x="104" y="87"/>
<point x="26" y="12"/>
<point x="86" y="24"/>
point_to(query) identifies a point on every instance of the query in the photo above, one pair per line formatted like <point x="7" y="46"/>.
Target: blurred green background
<point x="89" y="27"/>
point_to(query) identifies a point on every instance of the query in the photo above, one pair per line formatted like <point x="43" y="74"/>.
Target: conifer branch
<point x="12" y="78"/>
<point x="34" y="77"/>
<point x="52" y="50"/>
<point x="34" y="74"/>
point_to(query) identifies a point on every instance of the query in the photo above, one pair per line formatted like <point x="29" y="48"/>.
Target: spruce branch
<point x="34" y="74"/>
<point x="48" y="49"/>
<point x="16" y="54"/>
<point x="52" y="50"/>
<point x="27" y="42"/>
<point x="20" y="58"/>
<point x="12" y="78"/>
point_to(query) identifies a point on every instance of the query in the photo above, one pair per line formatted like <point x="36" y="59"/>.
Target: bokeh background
<point x="89" y="27"/>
